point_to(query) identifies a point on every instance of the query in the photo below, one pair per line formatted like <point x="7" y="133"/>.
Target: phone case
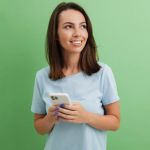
<point x="60" y="98"/>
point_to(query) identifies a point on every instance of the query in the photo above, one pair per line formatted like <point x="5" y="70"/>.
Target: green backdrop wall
<point x="122" y="32"/>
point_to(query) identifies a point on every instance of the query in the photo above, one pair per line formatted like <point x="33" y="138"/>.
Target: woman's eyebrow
<point x="73" y="23"/>
<point x="68" y="23"/>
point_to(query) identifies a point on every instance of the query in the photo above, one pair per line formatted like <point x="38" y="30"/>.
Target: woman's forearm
<point x="44" y="125"/>
<point x="100" y="122"/>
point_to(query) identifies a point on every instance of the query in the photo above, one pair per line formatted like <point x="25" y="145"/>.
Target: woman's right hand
<point x="52" y="114"/>
<point x="45" y="123"/>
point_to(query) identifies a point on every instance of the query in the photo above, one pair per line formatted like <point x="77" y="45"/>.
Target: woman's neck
<point x="71" y="65"/>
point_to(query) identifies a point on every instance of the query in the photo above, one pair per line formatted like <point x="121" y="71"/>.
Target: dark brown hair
<point x="88" y="57"/>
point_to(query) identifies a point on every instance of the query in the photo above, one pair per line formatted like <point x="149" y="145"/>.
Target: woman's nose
<point x="77" y="32"/>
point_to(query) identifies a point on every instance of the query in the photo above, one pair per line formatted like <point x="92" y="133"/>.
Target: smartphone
<point x="59" y="98"/>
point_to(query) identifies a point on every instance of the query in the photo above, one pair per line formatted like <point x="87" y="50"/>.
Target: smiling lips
<point x="76" y="42"/>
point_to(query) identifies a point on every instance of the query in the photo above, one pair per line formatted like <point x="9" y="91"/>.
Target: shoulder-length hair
<point x="89" y="55"/>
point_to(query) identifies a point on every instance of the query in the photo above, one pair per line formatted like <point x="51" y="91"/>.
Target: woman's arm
<point x="45" y="123"/>
<point x="77" y="114"/>
<point x="110" y="121"/>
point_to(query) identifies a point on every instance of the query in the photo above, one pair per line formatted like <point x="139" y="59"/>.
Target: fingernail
<point x="56" y="113"/>
<point x="57" y="108"/>
<point x="61" y="105"/>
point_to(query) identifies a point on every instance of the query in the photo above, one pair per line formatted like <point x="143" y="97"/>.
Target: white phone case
<point x="60" y="98"/>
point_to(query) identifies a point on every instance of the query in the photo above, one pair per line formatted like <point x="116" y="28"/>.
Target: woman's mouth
<point x="76" y="42"/>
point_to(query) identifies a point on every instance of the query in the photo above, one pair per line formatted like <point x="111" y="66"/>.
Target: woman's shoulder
<point x="43" y="72"/>
<point x="104" y="66"/>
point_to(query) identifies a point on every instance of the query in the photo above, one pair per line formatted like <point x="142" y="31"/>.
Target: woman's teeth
<point x="76" y="42"/>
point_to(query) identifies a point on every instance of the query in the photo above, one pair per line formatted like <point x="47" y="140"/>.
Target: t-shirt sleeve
<point x="109" y="87"/>
<point x="38" y="105"/>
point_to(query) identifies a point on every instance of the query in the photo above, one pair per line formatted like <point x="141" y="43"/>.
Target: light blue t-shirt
<point x="91" y="91"/>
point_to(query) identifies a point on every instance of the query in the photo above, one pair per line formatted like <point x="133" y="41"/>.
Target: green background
<point x="122" y="32"/>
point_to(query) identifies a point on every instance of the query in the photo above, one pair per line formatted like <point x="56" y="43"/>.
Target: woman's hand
<point x="74" y="113"/>
<point x="52" y="113"/>
<point x="44" y="123"/>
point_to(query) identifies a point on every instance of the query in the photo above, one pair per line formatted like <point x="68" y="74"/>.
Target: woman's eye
<point x="68" y="27"/>
<point x="84" y="26"/>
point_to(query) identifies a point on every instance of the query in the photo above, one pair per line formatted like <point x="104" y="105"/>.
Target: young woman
<point x="74" y="69"/>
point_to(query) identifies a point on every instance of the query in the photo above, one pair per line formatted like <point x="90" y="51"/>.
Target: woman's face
<point x="72" y="31"/>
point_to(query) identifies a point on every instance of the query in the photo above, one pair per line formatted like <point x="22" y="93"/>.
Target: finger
<point x="66" y="116"/>
<point x="70" y="107"/>
<point x="52" y="108"/>
<point x="70" y="121"/>
<point x="55" y="113"/>
<point x="67" y="111"/>
<point x="62" y="105"/>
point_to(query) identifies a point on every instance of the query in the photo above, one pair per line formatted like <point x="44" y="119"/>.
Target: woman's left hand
<point x="74" y="113"/>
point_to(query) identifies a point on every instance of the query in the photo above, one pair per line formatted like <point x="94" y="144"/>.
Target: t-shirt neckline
<point x="73" y="75"/>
